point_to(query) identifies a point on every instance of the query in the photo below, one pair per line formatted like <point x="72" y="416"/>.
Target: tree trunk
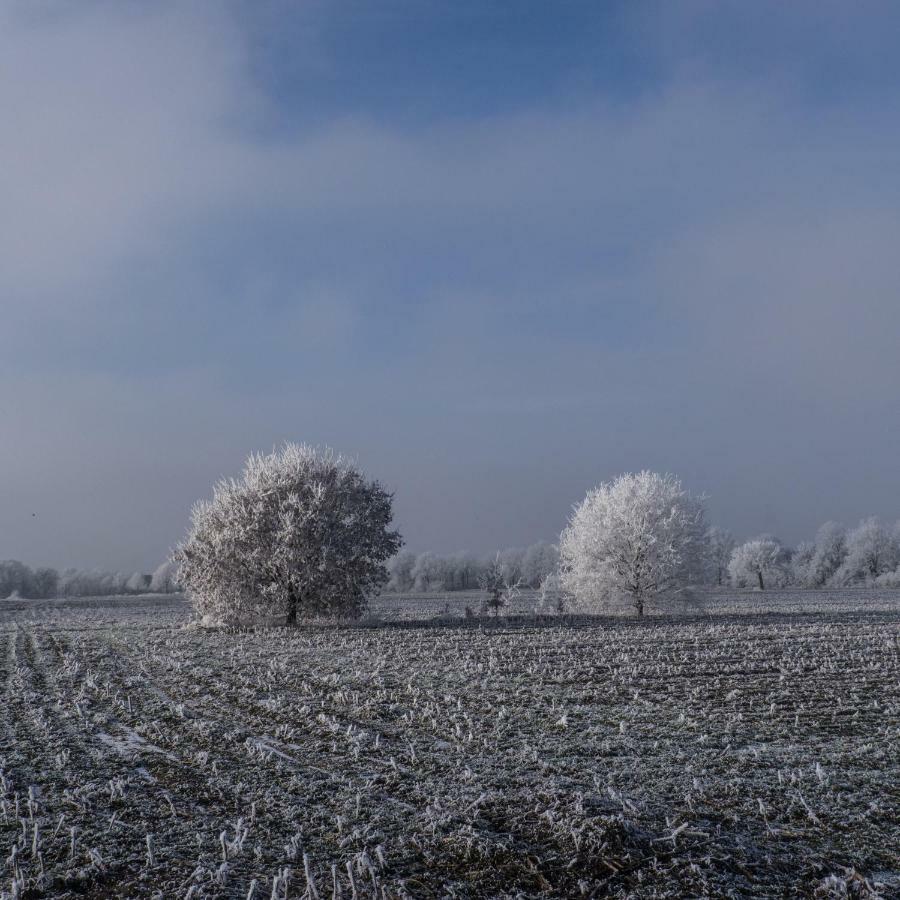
<point x="639" y="606"/>
<point x="762" y="587"/>
<point x="293" y="604"/>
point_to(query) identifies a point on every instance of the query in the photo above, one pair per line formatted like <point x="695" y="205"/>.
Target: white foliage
<point x="137" y="583"/>
<point x="889" y="579"/>
<point x="830" y="553"/>
<point x="552" y="597"/>
<point x="429" y="572"/>
<point x="302" y="532"/>
<point x="511" y="561"/>
<point x="721" y="546"/>
<point x="496" y="585"/>
<point x="400" y="569"/>
<point x="19" y="580"/>
<point x="165" y="578"/>
<point x="871" y="552"/>
<point x="800" y="569"/>
<point x="637" y="539"/>
<point x="753" y="561"/>
<point x="540" y="561"/>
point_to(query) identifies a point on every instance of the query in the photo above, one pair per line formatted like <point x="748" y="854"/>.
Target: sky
<point x="497" y="252"/>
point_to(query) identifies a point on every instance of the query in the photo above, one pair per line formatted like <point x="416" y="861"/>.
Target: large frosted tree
<point x="302" y="532"/>
<point x="635" y="540"/>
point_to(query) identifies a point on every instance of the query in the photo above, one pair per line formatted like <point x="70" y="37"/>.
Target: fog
<point x="497" y="269"/>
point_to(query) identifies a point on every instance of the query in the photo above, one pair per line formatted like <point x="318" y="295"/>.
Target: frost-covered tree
<point x="112" y="582"/>
<point x="69" y="582"/>
<point x="429" y="572"/>
<point x="829" y="555"/>
<point x="44" y="583"/>
<point x="753" y="561"/>
<point x="540" y="560"/>
<point x="497" y="586"/>
<point x="14" y="577"/>
<point x="800" y="571"/>
<point x="76" y="583"/>
<point x="511" y="561"/>
<point x="19" y="580"/>
<point x="138" y="582"/>
<point x="637" y="539"/>
<point x="871" y="552"/>
<point x="551" y="595"/>
<point x="889" y="579"/>
<point x="165" y="578"/>
<point x="462" y="571"/>
<point x="400" y="567"/>
<point x="721" y="546"/>
<point x="302" y="532"/>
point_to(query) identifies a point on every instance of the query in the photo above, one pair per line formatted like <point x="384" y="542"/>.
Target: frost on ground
<point x="749" y="752"/>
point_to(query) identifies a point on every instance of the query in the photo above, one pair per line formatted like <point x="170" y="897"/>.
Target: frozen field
<point x="751" y="750"/>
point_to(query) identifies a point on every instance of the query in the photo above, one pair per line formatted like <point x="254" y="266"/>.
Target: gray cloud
<point x="494" y="314"/>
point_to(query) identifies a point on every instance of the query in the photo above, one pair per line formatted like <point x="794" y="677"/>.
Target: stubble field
<point x="751" y="750"/>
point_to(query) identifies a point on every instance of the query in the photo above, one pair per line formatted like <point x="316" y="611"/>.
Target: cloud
<point x="121" y="124"/>
<point x="700" y="279"/>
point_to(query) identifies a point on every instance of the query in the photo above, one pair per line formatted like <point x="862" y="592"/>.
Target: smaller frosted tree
<point x="829" y="555"/>
<point x="303" y="532"/>
<point x="754" y="561"/>
<point x="638" y="539"/>
<point x="429" y="572"/>
<point x="138" y="583"/>
<point x="801" y="571"/>
<point x="511" y="561"/>
<point x="463" y="571"/>
<point x="871" y="551"/>
<point x="540" y="560"/>
<point x="492" y="582"/>
<point x="551" y="595"/>
<point x="14" y="577"/>
<point x="721" y="546"/>
<point x="400" y="570"/>
<point x="165" y="578"/>
<point x="44" y="583"/>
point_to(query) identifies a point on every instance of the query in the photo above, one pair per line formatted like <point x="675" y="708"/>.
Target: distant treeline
<point x="868" y="554"/>
<point x="431" y="572"/>
<point x="19" y="580"/>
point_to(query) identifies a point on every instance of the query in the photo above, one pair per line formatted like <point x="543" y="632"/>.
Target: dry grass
<point x="750" y="754"/>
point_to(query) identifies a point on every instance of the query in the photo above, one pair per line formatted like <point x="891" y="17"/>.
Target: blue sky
<point x="498" y="252"/>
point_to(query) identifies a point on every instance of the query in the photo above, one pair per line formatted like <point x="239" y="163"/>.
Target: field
<point x="752" y="749"/>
